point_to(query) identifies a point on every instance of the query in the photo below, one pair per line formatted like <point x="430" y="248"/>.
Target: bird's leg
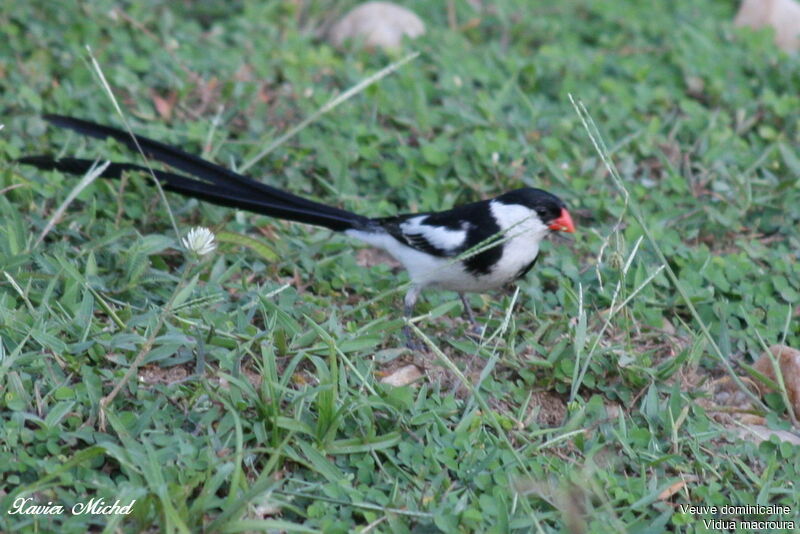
<point x="408" y="311"/>
<point x="476" y="327"/>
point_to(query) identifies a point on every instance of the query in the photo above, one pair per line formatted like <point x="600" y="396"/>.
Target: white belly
<point x="426" y="270"/>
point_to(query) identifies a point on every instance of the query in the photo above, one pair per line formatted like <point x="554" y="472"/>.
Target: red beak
<point x="563" y="223"/>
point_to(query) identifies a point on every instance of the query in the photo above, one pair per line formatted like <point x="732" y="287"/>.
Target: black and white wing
<point x="450" y="233"/>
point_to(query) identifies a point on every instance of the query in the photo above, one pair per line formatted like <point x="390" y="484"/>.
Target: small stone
<point x="782" y="15"/>
<point x="788" y="360"/>
<point x="378" y="24"/>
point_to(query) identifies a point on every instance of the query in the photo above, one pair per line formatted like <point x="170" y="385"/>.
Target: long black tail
<point x="209" y="182"/>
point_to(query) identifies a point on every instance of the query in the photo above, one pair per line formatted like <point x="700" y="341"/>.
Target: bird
<point x="472" y="248"/>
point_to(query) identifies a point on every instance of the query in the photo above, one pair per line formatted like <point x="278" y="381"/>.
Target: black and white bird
<point x="474" y="247"/>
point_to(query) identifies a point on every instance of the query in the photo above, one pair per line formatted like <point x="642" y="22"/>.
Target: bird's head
<point x="550" y="209"/>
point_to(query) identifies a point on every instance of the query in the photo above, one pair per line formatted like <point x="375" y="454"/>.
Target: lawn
<point x="611" y="389"/>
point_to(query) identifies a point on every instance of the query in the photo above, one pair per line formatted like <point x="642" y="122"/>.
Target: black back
<point x="477" y="219"/>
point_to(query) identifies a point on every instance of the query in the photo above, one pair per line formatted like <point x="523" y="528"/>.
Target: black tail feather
<point x="186" y="162"/>
<point x="193" y="188"/>
<point x="214" y="183"/>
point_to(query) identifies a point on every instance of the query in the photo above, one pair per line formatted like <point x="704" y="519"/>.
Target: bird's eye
<point x="544" y="213"/>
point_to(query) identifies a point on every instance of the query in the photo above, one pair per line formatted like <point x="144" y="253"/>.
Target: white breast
<point x="525" y="231"/>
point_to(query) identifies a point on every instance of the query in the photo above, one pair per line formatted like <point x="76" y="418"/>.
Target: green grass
<point x="258" y="405"/>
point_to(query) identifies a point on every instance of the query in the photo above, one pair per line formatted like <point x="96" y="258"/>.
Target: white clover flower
<point x="199" y="240"/>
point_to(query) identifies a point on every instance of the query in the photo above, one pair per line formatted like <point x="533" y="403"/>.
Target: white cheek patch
<point x="438" y="236"/>
<point x="518" y="219"/>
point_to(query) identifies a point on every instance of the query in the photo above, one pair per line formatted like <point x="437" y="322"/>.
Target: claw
<point x="411" y="343"/>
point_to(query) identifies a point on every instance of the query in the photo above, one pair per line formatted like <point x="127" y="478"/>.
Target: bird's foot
<point x="475" y="329"/>
<point x="415" y="346"/>
<point x="412" y="343"/>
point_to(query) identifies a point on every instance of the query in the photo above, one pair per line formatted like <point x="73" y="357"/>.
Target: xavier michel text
<point x="25" y="506"/>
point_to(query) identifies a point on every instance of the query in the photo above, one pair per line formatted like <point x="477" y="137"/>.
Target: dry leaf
<point x="367" y="257"/>
<point x="759" y="433"/>
<point x="164" y="106"/>
<point x="403" y="376"/>
<point x="782" y="15"/>
<point x="675" y="488"/>
<point x="153" y="374"/>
